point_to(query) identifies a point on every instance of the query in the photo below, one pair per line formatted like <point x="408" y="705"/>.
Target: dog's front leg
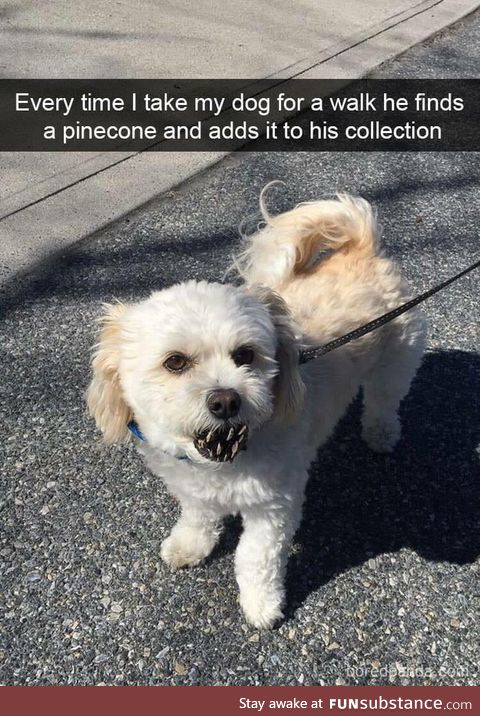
<point x="261" y="559"/>
<point x="193" y="537"/>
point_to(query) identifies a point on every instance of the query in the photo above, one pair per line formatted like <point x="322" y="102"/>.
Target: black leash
<point x="309" y="354"/>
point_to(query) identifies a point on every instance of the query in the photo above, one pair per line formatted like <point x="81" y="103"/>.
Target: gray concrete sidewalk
<point x="48" y="201"/>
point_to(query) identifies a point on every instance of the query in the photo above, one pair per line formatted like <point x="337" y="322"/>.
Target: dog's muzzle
<point x="222" y="444"/>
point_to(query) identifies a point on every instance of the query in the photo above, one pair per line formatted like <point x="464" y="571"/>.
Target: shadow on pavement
<point x="425" y="496"/>
<point x="103" y="274"/>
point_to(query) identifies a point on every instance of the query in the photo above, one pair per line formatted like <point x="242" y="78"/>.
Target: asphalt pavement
<point x="383" y="581"/>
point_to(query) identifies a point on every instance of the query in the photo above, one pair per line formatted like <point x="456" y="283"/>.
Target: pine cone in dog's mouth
<point x="222" y="444"/>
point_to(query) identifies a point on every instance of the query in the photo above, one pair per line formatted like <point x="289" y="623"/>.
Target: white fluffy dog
<point x="208" y="376"/>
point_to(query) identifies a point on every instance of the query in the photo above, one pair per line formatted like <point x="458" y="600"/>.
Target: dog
<point x="207" y="376"/>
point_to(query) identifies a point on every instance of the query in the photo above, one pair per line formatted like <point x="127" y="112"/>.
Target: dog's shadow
<point x="424" y="496"/>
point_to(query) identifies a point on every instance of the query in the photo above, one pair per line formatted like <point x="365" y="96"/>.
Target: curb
<point x="73" y="205"/>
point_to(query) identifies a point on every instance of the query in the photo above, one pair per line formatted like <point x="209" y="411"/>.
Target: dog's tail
<point x="288" y="244"/>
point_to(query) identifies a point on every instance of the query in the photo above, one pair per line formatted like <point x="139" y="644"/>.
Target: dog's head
<point x="199" y="366"/>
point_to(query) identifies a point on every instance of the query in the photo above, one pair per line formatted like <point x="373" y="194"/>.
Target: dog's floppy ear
<point x="289" y="386"/>
<point x="104" y="395"/>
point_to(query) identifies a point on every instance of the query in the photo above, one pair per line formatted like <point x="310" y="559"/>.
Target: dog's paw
<point x="381" y="435"/>
<point x="262" y="609"/>
<point x="186" y="547"/>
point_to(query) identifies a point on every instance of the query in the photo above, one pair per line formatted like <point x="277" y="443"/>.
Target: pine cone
<point x="222" y="444"/>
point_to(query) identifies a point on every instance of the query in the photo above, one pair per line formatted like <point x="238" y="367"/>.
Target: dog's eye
<point x="243" y="356"/>
<point x="176" y="363"/>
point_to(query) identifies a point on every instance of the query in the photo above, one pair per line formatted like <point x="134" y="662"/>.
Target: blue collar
<point x="135" y="430"/>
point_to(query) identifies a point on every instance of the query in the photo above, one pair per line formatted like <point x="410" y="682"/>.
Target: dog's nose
<point x="224" y="403"/>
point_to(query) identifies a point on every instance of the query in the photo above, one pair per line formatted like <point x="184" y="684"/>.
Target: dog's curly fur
<point x="292" y="295"/>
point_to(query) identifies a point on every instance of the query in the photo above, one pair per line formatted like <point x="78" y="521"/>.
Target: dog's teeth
<point x="209" y="436"/>
<point x="235" y="449"/>
<point x="230" y="433"/>
<point x="201" y="443"/>
<point x="242" y="431"/>
<point x="219" y="449"/>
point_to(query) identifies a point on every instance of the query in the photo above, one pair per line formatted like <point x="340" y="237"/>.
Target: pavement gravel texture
<point x="383" y="580"/>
